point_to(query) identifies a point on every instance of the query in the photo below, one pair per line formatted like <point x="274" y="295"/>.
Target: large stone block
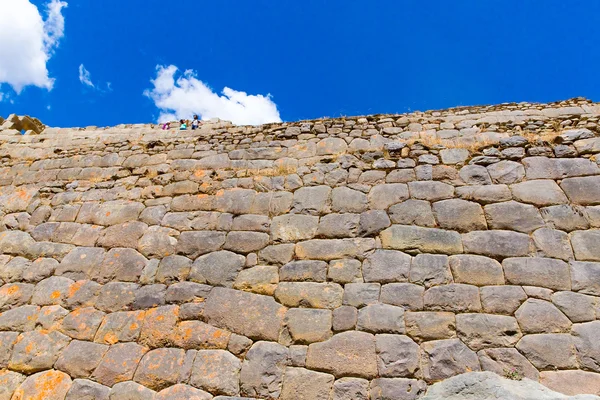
<point x="123" y="326"/>
<point x="503" y="299"/>
<point x="386" y="266"/>
<point x="309" y="294"/>
<point x="84" y="389"/>
<point x="538" y="316"/>
<point x="397" y="356"/>
<point x="565" y="217"/>
<point x="586" y="245"/>
<point x="351" y="389"/>
<point x="424" y="326"/>
<point x="246" y="242"/>
<point x="421" y="240"/>
<point x="313" y="200"/>
<point x="397" y="389"/>
<point x="194" y="244"/>
<point x="338" y="225"/>
<point x="119" y="363"/>
<point x="303" y="384"/>
<point x="381" y="197"/>
<point x="506" y="172"/>
<point x="497" y="244"/>
<point x="361" y="294"/>
<point x="502" y="360"/>
<point x="453" y="297"/>
<point x="576" y="306"/>
<point x="262" y="279"/>
<point x="304" y="271"/>
<point x="549" y="351"/>
<point x="571" y="383"/>
<point x="79" y="359"/>
<point x="160" y="368"/>
<point x="82" y="323"/>
<point x="47" y="385"/>
<point x="346" y="200"/>
<point x="158" y="329"/>
<point x="587" y="343"/>
<point x="294" y="227"/>
<point x="557" y="168"/>
<point x="584" y="191"/>
<point x="584" y="277"/>
<point x="430" y="190"/>
<point x="345" y="354"/>
<point x="182" y="392"/>
<point x="262" y="370"/>
<point x="333" y="249"/>
<point x="541" y="272"/>
<point x="480" y="331"/>
<point x="484" y="194"/>
<point x="36" y="351"/>
<point x="443" y="359"/>
<point x="217" y="269"/>
<point x="476" y="270"/>
<point x="513" y="216"/>
<point x="406" y="295"/>
<point x="412" y="212"/>
<point x="256" y="316"/>
<point x="541" y="193"/>
<point x="81" y="262"/>
<point x="381" y="318"/>
<point x="553" y="243"/>
<point x="459" y="215"/>
<point x="308" y="325"/>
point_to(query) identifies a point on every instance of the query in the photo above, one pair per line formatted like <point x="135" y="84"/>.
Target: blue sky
<point x="315" y="58"/>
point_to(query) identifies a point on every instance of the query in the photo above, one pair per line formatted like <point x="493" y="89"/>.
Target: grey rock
<point x="130" y="391"/>
<point x="246" y="242"/>
<point x="552" y="243"/>
<point x="506" y="172"/>
<point x="344" y="318"/>
<point x="309" y="294"/>
<point x="453" y="297"/>
<point x="583" y="191"/>
<point x="421" y="240"/>
<point x="386" y="266"/>
<point x="116" y="296"/>
<point x="479" y="331"/>
<point x="585" y="245"/>
<point x="584" y="277"/>
<point x="361" y="294"/>
<point x="549" y="351"/>
<point x="308" y="325"/>
<point x="36" y="351"/>
<point x="397" y="355"/>
<point x="503" y="299"/>
<point x="504" y="360"/>
<point x="182" y="392"/>
<point x="512" y="215"/>
<point x="397" y="389"/>
<point x="372" y="222"/>
<point x="194" y="244"/>
<point x="406" y="295"/>
<point x="475" y="175"/>
<point x="558" y="168"/>
<point x="586" y="343"/>
<point x="312" y="200"/>
<point x="229" y="265"/>
<point x="381" y="197"/>
<point x="430" y="190"/>
<point x="413" y="212"/>
<point x="484" y="194"/>
<point x="345" y="271"/>
<point x="576" y="306"/>
<point x="541" y="272"/>
<point x="541" y="193"/>
<point x="381" y="318"/>
<point x="84" y="389"/>
<point x="459" y="215"/>
<point x="497" y="244"/>
<point x="424" y="326"/>
<point x="79" y="359"/>
<point x="476" y="270"/>
<point x="443" y="359"/>
<point x="430" y="270"/>
<point x="351" y="389"/>
<point x="303" y="384"/>
<point x="294" y="227"/>
<point x="160" y="368"/>
<point x="338" y="225"/>
<point x="262" y="370"/>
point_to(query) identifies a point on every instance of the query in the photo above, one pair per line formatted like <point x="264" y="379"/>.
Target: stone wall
<point x="348" y="258"/>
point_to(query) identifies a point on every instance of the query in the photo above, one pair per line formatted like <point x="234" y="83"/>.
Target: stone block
<point x="506" y="172"/>
<point x="587" y="343"/>
<point x="303" y="384"/>
<point x="565" y="217"/>
<point x="421" y="240"/>
<point x="47" y="385"/>
<point x="345" y="354"/>
<point x="513" y="216"/>
<point x="204" y="271"/>
<point x="116" y="296"/>
<point x="262" y="279"/>
<point x="372" y="222"/>
<point x="484" y="194"/>
<point x="308" y="325"/>
<point x="541" y="193"/>
<point x="304" y="271"/>
<point x="294" y="227"/>
<point x="476" y="270"/>
<point x="264" y="360"/>
<point x="459" y="215"/>
<point x="333" y="249"/>
<point x="557" y="168"/>
<point x="453" y="297"/>
<point x="386" y="266"/>
<point x="497" y="244"/>
<point x="158" y="328"/>
<point x="123" y="326"/>
<point x="309" y="294"/>
<point x="119" y="363"/>
<point x="261" y="317"/>
<point x="82" y="323"/>
<point x="480" y="331"/>
<point x="314" y="200"/>
<point x="83" y="389"/>
<point x="160" y="368"/>
<point x="277" y="254"/>
<point x="397" y="389"/>
<point x="20" y="319"/>
<point x="443" y="359"/>
<point x="81" y="262"/>
<point x="552" y="243"/>
<point x="182" y="392"/>
<point x="149" y="296"/>
<point x="130" y="391"/>
<point x="397" y="355"/>
<point x="338" y="225"/>
<point x="549" y="351"/>
<point x="501" y="361"/>
<point x="424" y="326"/>
<point x="503" y="299"/>
<point x="584" y="191"/>
<point x="430" y="270"/>
<point x="361" y="294"/>
<point x="381" y="197"/>
<point x="246" y="242"/>
<point x="173" y="269"/>
<point x="571" y="383"/>
<point x="584" y="277"/>
<point x="381" y="318"/>
<point x="541" y="272"/>
<point x="36" y="351"/>
<point x="194" y="244"/>
<point x="585" y="245"/>
<point x="412" y="212"/>
<point x="15" y="295"/>
<point x="406" y="295"/>
<point x="7" y="343"/>
<point x="350" y="389"/>
<point x="199" y="335"/>
<point x="345" y="271"/>
<point x="123" y="235"/>
<point x="576" y="306"/>
<point x="79" y="359"/>
<point x="344" y="318"/>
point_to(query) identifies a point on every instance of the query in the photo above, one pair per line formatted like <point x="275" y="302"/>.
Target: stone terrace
<point x="335" y="259"/>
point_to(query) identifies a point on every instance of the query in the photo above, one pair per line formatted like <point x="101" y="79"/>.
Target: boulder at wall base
<point x="487" y="385"/>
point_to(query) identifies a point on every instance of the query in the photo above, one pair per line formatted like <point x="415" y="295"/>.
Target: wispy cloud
<point x="188" y="95"/>
<point x="27" y="42"/>
<point x="85" y="76"/>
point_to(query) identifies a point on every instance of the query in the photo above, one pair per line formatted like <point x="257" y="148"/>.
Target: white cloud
<point x="27" y="42"/>
<point x="85" y="76"/>
<point x="181" y="98"/>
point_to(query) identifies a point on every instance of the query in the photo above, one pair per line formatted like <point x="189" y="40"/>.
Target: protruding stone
<point x="551" y="350"/>
<point x="421" y="240"/>
<point x="476" y="270"/>
<point x="443" y="359"/>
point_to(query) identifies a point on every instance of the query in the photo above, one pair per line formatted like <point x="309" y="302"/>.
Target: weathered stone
<point x="496" y="244"/>
<point x="381" y="318"/>
<point x="304" y="271"/>
<point x="15" y="295"/>
<point x="229" y="265"/>
<point x="294" y="227"/>
<point x="344" y="318"/>
<point x="302" y="384"/>
<point x="397" y="355"/>
<point x="182" y="392"/>
<point x="565" y="217"/>
<point x="584" y="277"/>
<point x="553" y="244"/>
<point x="260" y="319"/>
<point x="503" y="361"/>
<point x="81" y="262"/>
<point x="386" y="266"/>
<point x="47" y="385"/>
<point x="120" y="327"/>
<point x="585" y="245"/>
<point x="309" y="294"/>
<point x="503" y="299"/>
<point x="406" y="295"/>
<point x="79" y="359"/>
<point x="381" y="197"/>
<point x="263" y="369"/>
<point x="308" y="325"/>
<point x="481" y="331"/>
<point x="484" y="194"/>
<point x="345" y="354"/>
<point x="130" y="391"/>
<point x="160" y="368"/>
<point x="116" y="296"/>
<point x="557" y="168"/>
<point x="423" y="326"/>
<point x="346" y="200"/>
<point x="587" y="343"/>
<point x="571" y="382"/>
<point x="454" y="156"/>
<point x="277" y="254"/>
<point x="577" y="307"/>
<point x="246" y="242"/>
<point x="475" y="175"/>
<point x="361" y="294"/>
<point x="372" y="222"/>
<point x="345" y="271"/>
<point x="332" y="249"/>
<point x="541" y="272"/>
<point x="22" y="318"/>
<point x="173" y="269"/>
<point x="413" y="212"/>
<point x="541" y="193"/>
<point x="453" y="297"/>
<point x="584" y="191"/>
<point x="430" y="270"/>
<point x="119" y="363"/>
<point x="83" y="389"/>
<point x="338" y="225"/>
<point x="82" y="323"/>
<point x="123" y="235"/>
<point x="351" y="389"/>
<point x="262" y="279"/>
<point x="459" y="215"/>
<point x="476" y="270"/>
<point x="312" y="200"/>
<point x="194" y="244"/>
<point x="443" y="359"/>
<point x="506" y="172"/>
<point x="430" y="190"/>
<point x="7" y="343"/>
<point x="36" y="351"/>
<point x="513" y="216"/>
<point x="421" y="240"/>
<point x="397" y="389"/>
<point x="149" y="296"/>
<point x="549" y="351"/>
<point x="199" y="335"/>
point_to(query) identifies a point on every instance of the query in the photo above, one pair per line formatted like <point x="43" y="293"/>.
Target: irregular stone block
<point x="506" y="172"/>
<point x="47" y="385"/>
<point x="123" y="235"/>
<point x="501" y="361"/>
<point x="15" y="295"/>
<point x="83" y="389"/>
<point x="333" y="249"/>
<point x="346" y="200"/>
<point x="304" y="270"/>
<point x="552" y="243"/>
<point x="345" y="354"/>
<point x="557" y="168"/>
<point x="565" y="217"/>
<point x="538" y="316"/>
<point x="351" y="389"/>
<point x="397" y="355"/>
<point x="36" y="351"/>
<point x="571" y="382"/>
<point x="476" y="270"/>
<point x="443" y="359"/>
<point x="82" y="323"/>
<point x="81" y="262"/>
<point x="549" y="351"/>
<point x="158" y="328"/>
<point x="412" y="212"/>
<point x="294" y="227"/>
<point x="194" y="244"/>
<point x="404" y="295"/>
<point x="397" y="388"/>
<point x="424" y="326"/>
<point x="182" y="392"/>
<point x="338" y="225"/>
<point x="386" y="266"/>
<point x="21" y="319"/>
<point x="513" y="216"/>
<point x="7" y="343"/>
<point x="261" y="317"/>
<point x="541" y="193"/>
<point x="262" y="370"/>
<point x="119" y="363"/>
<point x="584" y="191"/>
<point x="344" y="318"/>
<point x="199" y="335"/>
<point x="361" y="294"/>
<point x="312" y="200"/>
<point x="372" y="222"/>
<point x="130" y="391"/>
<point x="302" y="384"/>
<point x="577" y="307"/>
<point x="345" y="271"/>
<point x="277" y="254"/>
<point x="204" y="271"/>
<point x="453" y="297"/>
<point x="381" y="318"/>
<point x="122" y="326"/>
<point x="541" y="272"/>
<point x="502" y="299"/>
<point x="246" y="242"/>
<point x="479" y="331"/>
<point x="173" y="269"/>
<point x="116" y="296"/>
<point x="309" y="294"/>
<point x="421" y="240"/>
<point x="308" y="325"/>
<point x="484" y="194"/>
<point x="79" y="359"/>
<point x="459" y="215"/>
<point x="587" y="343"/>
<point x="497" y="244"/>
<point x="584" y="277"/>
<point x="160" y="368"/>
<point x="381" y="197"/>
<point x="430" y="190"/>
<point x="585" y="245"/>
<point x="262" y="279"/>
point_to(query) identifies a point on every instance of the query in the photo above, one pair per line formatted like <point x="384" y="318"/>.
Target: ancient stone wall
<point x="350" y="258"/>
